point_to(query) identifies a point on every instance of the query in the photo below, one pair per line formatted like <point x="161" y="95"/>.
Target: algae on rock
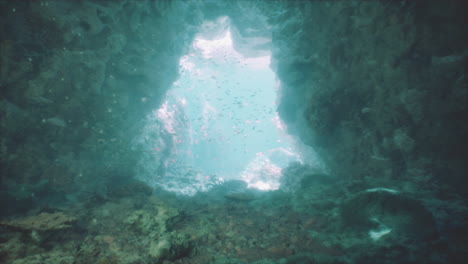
<point x="153" y="225"/>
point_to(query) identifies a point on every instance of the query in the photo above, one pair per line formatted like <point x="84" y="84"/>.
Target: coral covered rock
<point x="380" y="207"/>
<point x="41" y="222"/>
<point x="161" y="242"/>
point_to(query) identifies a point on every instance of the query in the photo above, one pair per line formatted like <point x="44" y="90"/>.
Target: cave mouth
<point x="218" y="121"/>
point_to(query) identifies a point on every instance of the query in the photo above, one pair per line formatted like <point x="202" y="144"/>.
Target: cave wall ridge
<point x="378" y="88"/>
<point x="77" y="80"/>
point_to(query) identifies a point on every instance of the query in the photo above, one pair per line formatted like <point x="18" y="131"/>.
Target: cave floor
<point x="276" y="227"/>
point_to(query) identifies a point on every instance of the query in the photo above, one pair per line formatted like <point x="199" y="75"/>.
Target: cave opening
<point x="218" y="121"/>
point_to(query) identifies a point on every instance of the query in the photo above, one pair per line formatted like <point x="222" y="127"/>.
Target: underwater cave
<point x="220" y="118"/>
<point x="230" y="132"/>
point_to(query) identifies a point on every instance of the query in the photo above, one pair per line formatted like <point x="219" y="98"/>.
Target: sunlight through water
<point x="221" y="116"/>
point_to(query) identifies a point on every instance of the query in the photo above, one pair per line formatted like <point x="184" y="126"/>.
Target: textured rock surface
<point x="364" y="83"/>
<point x="77" y="79"/>
<point x="41" y="222"/>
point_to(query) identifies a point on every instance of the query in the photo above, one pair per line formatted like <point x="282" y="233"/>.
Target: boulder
<point x="382" y="211"/>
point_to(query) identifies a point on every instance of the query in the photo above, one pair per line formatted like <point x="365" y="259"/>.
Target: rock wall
<point x="77" y="78"/>
<point x="378" y="87"/>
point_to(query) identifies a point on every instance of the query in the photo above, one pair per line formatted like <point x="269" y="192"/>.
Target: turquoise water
<point x="221" y="114"/>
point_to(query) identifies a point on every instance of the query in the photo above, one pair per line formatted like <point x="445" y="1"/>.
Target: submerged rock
<point x="163" y="244"/>
<point x="41" y="222"/>
<point x="240" y="196"/>
<point x="56" y="121"/>
<point x="42" y="226"/>
<point x="130" y="189"/>
<point x="381" y="211"/>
